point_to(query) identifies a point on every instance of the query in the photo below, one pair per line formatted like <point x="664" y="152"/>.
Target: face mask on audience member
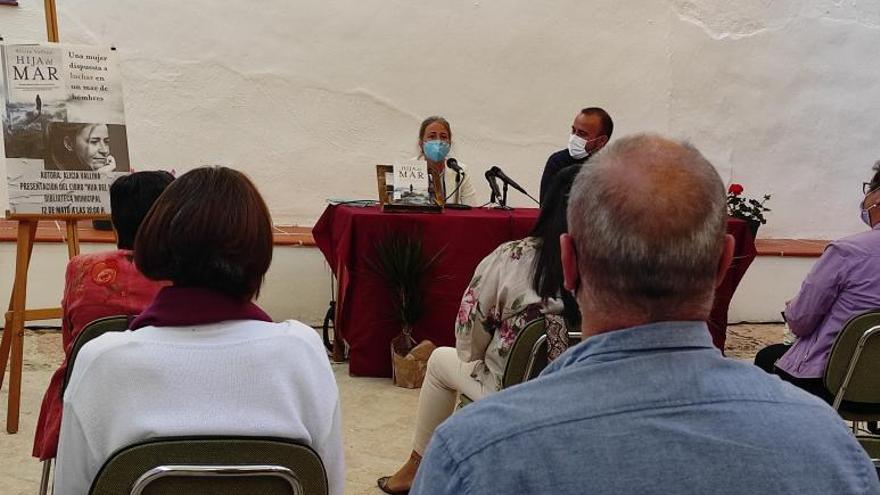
<point x="435" y="150"/>
<point x="866" y="213"/>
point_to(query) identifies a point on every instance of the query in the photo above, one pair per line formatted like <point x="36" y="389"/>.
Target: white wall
<point x="307" y="95"/>
<point x="297" y="285"/>
<point x="770" y="282"/>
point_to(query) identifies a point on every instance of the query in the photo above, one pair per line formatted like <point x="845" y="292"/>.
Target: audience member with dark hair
<point x="590" y="131"/>
<point x="131" y="198"/>
<point x="843" y="283"/>
<point x="205" y="360"/>
<point x="517" y="283"/>
<point x="646" y="404"/>
<point x="102" y="284"/>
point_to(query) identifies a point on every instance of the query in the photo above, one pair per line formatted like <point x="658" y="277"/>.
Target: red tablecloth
<point x="347" y="234"/>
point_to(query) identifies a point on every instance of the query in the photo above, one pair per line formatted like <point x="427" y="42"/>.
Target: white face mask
<point x="577" y="147"/>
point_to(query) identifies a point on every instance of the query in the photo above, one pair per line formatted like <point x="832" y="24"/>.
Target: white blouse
<point x="230" y="378"/>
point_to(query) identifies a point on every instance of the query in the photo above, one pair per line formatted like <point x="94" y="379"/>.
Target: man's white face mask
<point x="577" y="146"/>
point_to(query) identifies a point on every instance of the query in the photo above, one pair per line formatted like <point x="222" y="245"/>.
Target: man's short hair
<point x="648" y="222"/>
<point x="210" y="229"/>
<point x="604" y="118"/>
<point x="131" y="197"/>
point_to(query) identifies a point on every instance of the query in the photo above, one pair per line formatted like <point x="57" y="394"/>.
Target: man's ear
<point x="725" y="260"/>
<point x="603" y="140"/>
<point x="570" y="276"/>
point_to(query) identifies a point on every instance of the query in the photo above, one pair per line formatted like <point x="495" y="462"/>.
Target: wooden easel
<point x="12" y="344"/>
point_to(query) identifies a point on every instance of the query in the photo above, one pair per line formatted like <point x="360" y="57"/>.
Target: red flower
<point x="735" y="189"/>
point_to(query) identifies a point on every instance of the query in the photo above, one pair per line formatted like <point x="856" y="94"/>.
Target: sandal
<point x="383" y="485"/>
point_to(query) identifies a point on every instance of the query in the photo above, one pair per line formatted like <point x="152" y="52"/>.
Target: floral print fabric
<point x="498" y="303"/>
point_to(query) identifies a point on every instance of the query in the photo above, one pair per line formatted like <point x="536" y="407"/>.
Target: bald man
<point x="590" y="131"/>
<point x="646" y="404"/>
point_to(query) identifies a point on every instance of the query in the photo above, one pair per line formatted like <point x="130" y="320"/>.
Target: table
<point x="346" y="235"/>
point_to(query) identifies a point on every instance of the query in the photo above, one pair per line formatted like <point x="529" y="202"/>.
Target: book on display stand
<point x="409" y="187"/>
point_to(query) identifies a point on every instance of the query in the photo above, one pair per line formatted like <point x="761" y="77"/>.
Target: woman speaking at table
<point x="435" y="139"/>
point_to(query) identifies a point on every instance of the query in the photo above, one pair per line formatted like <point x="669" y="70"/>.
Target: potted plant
<point x="750" y="210"/>
<point x="400" y="261"/>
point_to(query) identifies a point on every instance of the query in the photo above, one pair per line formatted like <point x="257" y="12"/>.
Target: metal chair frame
<point x="533" y="356"/>
<point x="206" y="471"/>
<point x="853" y="362"/>
<point x="44" y="478"/>
<point x="463" y="400"/>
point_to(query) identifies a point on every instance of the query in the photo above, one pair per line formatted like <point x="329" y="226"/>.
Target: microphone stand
<point x="497" y="198"/>
<point x="498" y="173"/>
<point x="456" y="205"/>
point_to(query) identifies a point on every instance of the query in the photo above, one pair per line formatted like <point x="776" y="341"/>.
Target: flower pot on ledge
<point x="754" y="225"/>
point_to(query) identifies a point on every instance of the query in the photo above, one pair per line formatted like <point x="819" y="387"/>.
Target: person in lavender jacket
<point x="843" y="283"/>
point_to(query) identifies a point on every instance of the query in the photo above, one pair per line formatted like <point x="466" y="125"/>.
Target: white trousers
<point x="446" y="377"/>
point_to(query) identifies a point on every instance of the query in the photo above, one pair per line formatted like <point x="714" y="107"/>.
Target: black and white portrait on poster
<point x="63" y="128"/>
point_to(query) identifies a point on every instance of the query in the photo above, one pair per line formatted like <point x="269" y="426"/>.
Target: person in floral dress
<point x="101" y="284"/>
<point x="517" y="283"/>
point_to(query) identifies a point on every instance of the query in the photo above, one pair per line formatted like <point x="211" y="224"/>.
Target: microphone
<point x="497" y="172"/>
<point x="453" y="164"/>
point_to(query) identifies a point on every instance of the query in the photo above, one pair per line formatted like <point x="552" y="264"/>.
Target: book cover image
<point x="411" y="184"/>
<point x="24" y="127"/>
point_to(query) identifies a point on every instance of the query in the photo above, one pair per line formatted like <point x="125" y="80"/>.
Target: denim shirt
<point x="650" y="409"/>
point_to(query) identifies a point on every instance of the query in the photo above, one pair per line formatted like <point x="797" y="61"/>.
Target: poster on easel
<point x="64" y="138"/>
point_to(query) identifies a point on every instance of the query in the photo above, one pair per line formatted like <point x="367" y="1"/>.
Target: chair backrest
<point x="213" y="465"/>
<point x="854" y="361"/>
<point x="526" y="348"/>
<point x="89" y="332"/>
<point x="528" y="355"/>
<point x="871" y="444"/>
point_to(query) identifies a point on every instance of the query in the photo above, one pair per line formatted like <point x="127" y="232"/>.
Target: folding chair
<point x="528" y="356"/>
<point x="89" y="332"/>
<point x="518" y="357"/>
<point x="218" y="465"/>
<point x="871" y="444"/>
<point x="852" y="374"/>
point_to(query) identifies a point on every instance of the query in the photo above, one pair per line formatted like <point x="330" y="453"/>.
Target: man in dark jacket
<point x="590" y="131"/>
